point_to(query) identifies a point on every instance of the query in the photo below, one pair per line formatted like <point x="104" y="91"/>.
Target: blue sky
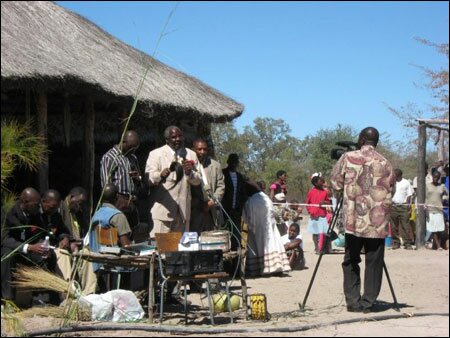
<point x="312" y="64"/>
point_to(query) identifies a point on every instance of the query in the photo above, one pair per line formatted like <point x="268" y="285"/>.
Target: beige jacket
<point x="171" y="201"/>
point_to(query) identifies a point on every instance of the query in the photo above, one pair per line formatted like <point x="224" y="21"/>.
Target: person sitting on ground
<point x="293" y="244"/>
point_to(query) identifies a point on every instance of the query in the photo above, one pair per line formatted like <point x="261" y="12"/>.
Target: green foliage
<point x="19" y="148"/>
<point x="266" y="147"/>
<point x="319" y="148"/>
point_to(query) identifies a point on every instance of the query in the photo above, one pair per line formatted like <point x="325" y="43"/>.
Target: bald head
<point x="51" y="200"/>
<point x="29" y="201"/>
<point x="110" y="193"/>
<point x="130" y="142"/>
<point x="174" y="137"/>
<point x="368" y="136"/>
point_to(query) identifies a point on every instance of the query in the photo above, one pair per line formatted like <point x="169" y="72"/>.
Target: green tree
<point x="227" y="140"/>
<point x="319" y="148"/>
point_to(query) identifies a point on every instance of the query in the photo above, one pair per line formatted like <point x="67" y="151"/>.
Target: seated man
<point x="109" y="216"/>
<point x="293" y="245"/>
<point x="22" y="237"/>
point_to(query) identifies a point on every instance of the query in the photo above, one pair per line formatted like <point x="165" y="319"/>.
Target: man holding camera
<point x="366" y="180"/>
<point x="171" y="170"/>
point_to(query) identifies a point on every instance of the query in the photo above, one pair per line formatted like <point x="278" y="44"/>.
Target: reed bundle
<point x="35" y="278"/>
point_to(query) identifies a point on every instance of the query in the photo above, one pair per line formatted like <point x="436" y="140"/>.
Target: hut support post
<point x="421" y="173"/>
<point x="89" y="149"/>
<point x="41" y="105"/>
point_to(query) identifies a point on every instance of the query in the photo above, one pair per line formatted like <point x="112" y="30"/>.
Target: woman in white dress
<point x="265" y="250"/>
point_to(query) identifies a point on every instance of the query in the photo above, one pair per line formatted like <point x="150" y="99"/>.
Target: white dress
<point x="265" y="250"/>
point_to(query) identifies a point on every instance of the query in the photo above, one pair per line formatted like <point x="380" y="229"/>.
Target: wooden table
<point x="148" y="262"/>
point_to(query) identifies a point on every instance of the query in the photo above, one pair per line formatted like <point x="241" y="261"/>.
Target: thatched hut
<point x="77" y="83"/>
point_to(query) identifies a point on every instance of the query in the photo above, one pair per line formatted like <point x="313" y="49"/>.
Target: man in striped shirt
<point x="120" y="167"/>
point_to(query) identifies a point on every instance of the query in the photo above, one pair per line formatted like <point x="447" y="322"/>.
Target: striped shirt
<point x="115" y="168"/>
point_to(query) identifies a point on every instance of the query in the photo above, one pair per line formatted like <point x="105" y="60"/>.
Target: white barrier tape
<point x="330" y="205"/>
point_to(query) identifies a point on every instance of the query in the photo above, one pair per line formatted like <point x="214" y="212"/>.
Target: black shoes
<point x="358" y="308"/>
<point x="354" y="308"/>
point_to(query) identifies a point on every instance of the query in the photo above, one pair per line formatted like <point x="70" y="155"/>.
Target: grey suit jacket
<point x="201" y="221"/>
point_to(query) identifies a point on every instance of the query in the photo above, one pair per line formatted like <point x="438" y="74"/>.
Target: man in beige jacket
<point x="171" y="169"/>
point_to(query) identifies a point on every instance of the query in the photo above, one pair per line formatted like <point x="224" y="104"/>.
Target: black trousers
<point x="373" y="274"/>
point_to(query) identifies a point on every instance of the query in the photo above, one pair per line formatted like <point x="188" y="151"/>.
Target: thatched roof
<point x="43" y="43"/>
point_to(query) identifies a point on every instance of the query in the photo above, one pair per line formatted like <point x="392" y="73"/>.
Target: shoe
<point x="408" y="247"/>
<point x="354" y="308"/>
<point x="367" y="310"/>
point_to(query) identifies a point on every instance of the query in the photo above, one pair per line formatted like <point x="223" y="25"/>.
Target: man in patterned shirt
<point x="366" y="179"/>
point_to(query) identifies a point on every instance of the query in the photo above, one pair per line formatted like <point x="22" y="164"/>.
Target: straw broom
<point x="35" y="278"/>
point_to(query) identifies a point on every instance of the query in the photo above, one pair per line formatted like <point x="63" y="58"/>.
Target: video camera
<point x="336" y="153"/>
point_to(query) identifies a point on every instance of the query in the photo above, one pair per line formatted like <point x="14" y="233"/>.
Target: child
<point x="293" y="244"/>
<point x="317" y="225"/>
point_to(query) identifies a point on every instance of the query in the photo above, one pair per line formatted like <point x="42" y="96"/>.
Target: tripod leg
<point x="397" y="308"/>
<point x="302" y="306"/>
<point x="331" y="228"/>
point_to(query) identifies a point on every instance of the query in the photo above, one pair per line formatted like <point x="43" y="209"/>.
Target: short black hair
<point x="296" y="226"/>
<point x="315" y="179"/>
<point x="77" y="191"/>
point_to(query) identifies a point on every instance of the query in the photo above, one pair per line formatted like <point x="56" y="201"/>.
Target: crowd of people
<point x="190" y="192"/>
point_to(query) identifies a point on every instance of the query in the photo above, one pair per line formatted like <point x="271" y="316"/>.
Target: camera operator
<point x="366" y="180"/>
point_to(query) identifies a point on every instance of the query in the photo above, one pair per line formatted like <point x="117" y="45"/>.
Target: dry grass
<point x="80" y="313"/>
<point x="34" y="278"/>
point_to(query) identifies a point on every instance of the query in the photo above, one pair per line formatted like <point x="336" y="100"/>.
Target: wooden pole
<point x="27" y="104"/>
<point x="89" y="149"/>
<point x="421" y="173"/>
<point x="41" y="105"/>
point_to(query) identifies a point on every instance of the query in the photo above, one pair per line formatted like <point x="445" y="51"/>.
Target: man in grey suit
<point x="205" y="214"/>
<point x="171" y="169"/>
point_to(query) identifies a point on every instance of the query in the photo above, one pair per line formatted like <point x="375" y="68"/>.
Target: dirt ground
<point x="420" y="280"/>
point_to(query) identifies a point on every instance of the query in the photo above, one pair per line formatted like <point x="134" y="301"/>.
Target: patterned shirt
<point x="115" y="168"/>
<point x="366" y="179"/>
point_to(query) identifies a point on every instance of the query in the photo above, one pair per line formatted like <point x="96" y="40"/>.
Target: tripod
<point x="321" y="253"/>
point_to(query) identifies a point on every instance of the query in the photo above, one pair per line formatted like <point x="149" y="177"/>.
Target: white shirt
<point x="285" y="239"/>
<point x="403" y="190"/>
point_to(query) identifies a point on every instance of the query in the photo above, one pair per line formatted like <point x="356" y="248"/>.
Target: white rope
<point x="331" y="205"/>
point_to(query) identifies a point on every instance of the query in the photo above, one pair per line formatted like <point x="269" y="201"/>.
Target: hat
<point x="280" y="197"/>
<point x="316" y="174"/>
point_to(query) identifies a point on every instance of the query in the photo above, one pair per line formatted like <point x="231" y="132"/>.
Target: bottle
<point x="46" y="246"/>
